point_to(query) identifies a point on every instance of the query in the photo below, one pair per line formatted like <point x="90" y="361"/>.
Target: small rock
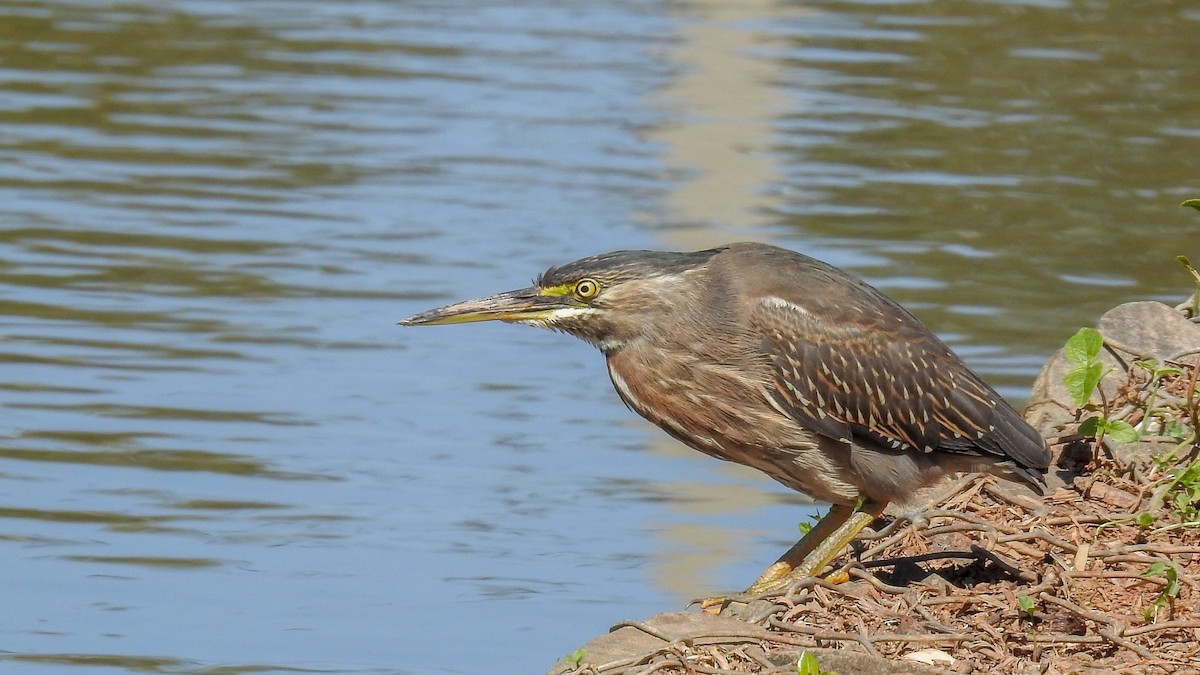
<point x="930" y="657"/>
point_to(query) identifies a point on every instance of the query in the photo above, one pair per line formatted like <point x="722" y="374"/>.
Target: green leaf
<point x="808" y="665"/>
<point x="1175" y="429"/>
<point x="1194" y="203"/>
<point x="1091" y="379"/>
<point x="1156" y="569"/>
<point x="1121" y="431"/>
<point x="1027" y="604"/>
<point x="1082" y="380"/>
<point x="1091" y="427"/>
<point x="1073" y="381"/>
<point x="1187" y="264"/>
<point x="1181" y="500"/>
<point x="1084" y="346"/>
<point x="1156" y="370"/>
<point x="1191" y="474"/>
<point x="576" y="657"/>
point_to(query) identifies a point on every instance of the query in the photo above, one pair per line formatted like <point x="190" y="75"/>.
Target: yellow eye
<point x="586" y="289"/>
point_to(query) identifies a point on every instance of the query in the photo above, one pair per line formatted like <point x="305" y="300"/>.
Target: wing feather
<point x="865" y="368"/>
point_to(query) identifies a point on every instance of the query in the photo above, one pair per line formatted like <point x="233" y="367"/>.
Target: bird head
<point x="608" y="300"/>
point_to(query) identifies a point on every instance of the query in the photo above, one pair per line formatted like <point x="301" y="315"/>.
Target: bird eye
<point x="586" y="289"/>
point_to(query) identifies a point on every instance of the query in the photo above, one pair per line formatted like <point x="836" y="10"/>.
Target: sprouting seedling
<point x="1026" y="604"/>
<point x="1186" y="494"/>
<point x="1156" y="369"/>
<point x="1166" y="597"/>
<point x="576" y="657"/>
<point x="1187" y="265"/>
<point x="1180" y="493"/>
<point x="1192" y="305"/>
<point x="806" y="527"/>
<point x="807" y="664"/>
<point x="1083" y="378"/>
<point x="1157" y="372"/>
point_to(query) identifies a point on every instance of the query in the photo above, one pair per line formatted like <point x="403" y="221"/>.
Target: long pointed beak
<point x="526" y="304"/>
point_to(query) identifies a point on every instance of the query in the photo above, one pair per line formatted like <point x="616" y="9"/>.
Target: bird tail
<point x="1028" y="455"/>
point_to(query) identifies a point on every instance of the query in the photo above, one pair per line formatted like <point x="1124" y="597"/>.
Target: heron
<point x="766" y="357"/>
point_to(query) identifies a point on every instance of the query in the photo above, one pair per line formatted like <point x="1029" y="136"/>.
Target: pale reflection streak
<point x="723" y="104"/>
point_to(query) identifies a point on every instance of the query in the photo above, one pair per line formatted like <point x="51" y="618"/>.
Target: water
<point x="219" y="453"/>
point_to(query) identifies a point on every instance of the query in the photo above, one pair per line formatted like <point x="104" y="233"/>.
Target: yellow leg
<point x="821" y="545"/>
<point x="827" y="525"/>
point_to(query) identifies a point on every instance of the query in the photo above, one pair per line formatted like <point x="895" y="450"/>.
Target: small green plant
<point x="1177" y="429"/>
<point x="1186" y="499"/>
<point x="1027" y="605"/>
<point x="805" y="528"/>
<point x="1192" y="305"/>
<point x="1183" y="492"/>
<point x="1083" y="378"/>
<point x="1166" y="597"/>
<point x="807" y="665"/>
<point x="576" y="657"/>
<point x="1157" y="373"/>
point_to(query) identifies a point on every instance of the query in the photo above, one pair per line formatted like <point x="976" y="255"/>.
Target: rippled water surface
<point x="217" y="449"/>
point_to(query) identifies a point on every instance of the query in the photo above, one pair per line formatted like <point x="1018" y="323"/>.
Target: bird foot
<point x="781" y="576"/>
<point x="758" y="601"/>
<point x="744" y="606"/>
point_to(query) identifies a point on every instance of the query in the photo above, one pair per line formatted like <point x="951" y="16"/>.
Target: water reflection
<point x="217" y="450"/>
<point x="723" y="104"/>
<point x="1034" y="131"/>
